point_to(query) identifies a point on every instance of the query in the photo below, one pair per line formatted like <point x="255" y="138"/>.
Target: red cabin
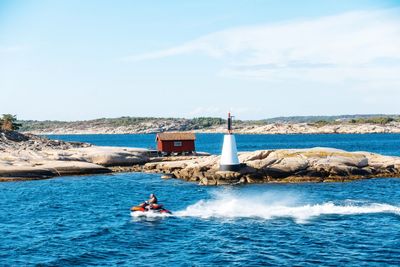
<point x="176" y="142"/>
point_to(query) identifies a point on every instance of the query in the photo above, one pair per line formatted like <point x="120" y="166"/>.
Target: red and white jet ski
<point x="153" y="208"/>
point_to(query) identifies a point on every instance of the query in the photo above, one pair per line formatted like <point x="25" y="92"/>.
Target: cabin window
<point x="177" y="143"/>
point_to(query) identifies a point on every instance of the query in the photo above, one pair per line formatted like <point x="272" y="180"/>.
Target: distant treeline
<point x="369" y="120"/>
<point x="189" y="124"/>
<point x="355" y="118"/>
<point x="204" y="122"/>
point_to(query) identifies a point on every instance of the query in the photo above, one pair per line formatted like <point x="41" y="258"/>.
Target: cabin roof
<point x="173" y="136"/>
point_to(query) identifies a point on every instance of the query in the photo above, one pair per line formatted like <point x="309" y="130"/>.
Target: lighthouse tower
<point x="229" y="158"/>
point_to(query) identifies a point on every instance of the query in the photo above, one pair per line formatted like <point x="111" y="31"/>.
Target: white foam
<point x="149" y="214"/>
<point x="269" y="206"/>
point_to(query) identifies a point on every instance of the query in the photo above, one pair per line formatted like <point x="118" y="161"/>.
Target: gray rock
<point x="285" y="165"/>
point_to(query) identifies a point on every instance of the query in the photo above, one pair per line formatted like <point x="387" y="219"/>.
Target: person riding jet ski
<point x="149" y="204"/>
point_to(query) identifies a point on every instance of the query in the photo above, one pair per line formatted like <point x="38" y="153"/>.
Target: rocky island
<point x="282" y="166"/>
<point x="29" y="157"/>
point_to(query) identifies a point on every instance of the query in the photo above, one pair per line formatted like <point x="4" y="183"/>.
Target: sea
<point x="86" y="220"/>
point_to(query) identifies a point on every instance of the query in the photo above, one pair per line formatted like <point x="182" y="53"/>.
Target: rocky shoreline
<point x="282" y="166"/>
<point x="29" y="157"/>
<point x="271" y="128"/>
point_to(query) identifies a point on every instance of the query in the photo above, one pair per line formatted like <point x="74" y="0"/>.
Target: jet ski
<point x="154" y="208"/>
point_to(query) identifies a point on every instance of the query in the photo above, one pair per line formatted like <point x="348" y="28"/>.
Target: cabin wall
<point x="170" y="147"/>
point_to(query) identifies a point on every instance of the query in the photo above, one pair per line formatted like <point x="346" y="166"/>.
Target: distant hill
<point x="139" y="123"/>
<point x="310" y="119"/>
<point x="209" y="124"/>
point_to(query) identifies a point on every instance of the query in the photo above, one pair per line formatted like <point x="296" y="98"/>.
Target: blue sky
<point x="70" y="60"/>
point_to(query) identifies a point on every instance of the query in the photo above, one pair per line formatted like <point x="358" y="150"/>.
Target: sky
<point x="78" y="60"/>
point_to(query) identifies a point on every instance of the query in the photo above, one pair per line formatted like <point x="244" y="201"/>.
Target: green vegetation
<point x="382" y="120"/>
<point x="321" y="123"/>
<point x="8" y="122"/>
<point x="204" y="122"/>
<point x="376" y="120"/>
<point x="186" y="124"/>
<point x="328" y="119"/>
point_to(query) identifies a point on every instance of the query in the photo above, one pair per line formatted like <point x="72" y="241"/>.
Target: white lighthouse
<point x="229" y="158"/>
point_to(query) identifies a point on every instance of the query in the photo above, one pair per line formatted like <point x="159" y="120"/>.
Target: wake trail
<point x="230" y="207"/>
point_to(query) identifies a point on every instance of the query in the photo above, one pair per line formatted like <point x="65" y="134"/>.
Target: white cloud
<point x="359" y="46"/>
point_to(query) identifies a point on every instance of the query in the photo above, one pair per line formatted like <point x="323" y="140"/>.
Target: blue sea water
<point x="85" y="220"/>
<point x="388" y="144"/>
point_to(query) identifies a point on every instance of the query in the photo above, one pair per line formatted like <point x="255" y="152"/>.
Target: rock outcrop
<point x="24" y="157"/>
<point x="286" y="165"/>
